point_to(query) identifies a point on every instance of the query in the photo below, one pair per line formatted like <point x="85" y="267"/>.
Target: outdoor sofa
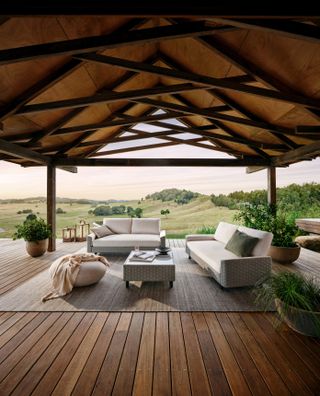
<point x="121" y="235"/>
<point x="227" y="268"/>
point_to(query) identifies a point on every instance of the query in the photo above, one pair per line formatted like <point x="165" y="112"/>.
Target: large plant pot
<point x="299" y="320"/>
<point x="37" y="248"/>
<point x="284" y="255"/>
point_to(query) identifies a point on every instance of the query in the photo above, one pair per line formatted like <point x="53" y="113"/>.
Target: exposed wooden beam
<point x="97" y="43"/>
<point x="54" y="77"/>
<point x="202" y="79"/>
<point x="107" y="97"/>
<point x="299" y="154"/>
<point x="292" y="29"/>
<point x="129" y="149"/>
<point x="215" y="116"/>
<point x="247" y="66"/>
<point x="20" y="152"/>
<point x="308" y="130"/>
<point x="253" y="169"/>
<point x="154" y="162"/>
<point x="51" y="205"/>
<point x="71" y="169"/>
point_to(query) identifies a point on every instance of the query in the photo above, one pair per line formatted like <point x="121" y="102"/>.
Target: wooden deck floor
<point x="167" y="353"/>
<point x="154" y="354"/>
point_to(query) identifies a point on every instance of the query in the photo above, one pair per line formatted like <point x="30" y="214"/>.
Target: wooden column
<point x="272" y="185"/>
<point x="51" y="205"/>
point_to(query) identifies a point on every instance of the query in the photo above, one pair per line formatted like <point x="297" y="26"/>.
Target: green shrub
<point x="33" y="230"/>
<point x="206" y="230"/>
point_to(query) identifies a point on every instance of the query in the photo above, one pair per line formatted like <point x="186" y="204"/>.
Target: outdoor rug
<point x="193" y="290"/>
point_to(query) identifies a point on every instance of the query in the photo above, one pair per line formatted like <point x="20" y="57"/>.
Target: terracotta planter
<point x="299" y="320"/>
<point x="37" y="248"/>
<point x="284" y="255"/>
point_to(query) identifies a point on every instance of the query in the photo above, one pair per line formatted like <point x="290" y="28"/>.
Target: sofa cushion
<point x="118" y="226"/>
<point x="101" y="231"/>
<point x="209" y="254"/>
<point x="145" y="226"/>
<point x="128" y="240"/>
<point x="241" y="244"/>
<point x="225" y="231"/>
<point x="265" y="239"/>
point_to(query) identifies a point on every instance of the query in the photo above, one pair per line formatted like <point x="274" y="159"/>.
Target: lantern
<point x="82" y="230"/>
<point x="69" y="234"/>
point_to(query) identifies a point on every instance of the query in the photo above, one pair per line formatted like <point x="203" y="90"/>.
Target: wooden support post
<point x="272" y="193"/>
<point x="51" y="205"/>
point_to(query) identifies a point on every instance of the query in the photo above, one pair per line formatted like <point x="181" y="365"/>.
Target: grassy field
<point x="182" y="220"/>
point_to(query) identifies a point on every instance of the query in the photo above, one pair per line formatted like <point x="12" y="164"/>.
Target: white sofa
<point x="228" y="269"/>
<point x="126" y="233"/>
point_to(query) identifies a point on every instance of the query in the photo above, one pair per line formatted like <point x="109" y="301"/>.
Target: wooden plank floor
<point x="154" y="354"/>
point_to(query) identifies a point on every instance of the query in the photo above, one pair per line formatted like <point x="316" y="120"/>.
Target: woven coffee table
<point x="162" y="268"/>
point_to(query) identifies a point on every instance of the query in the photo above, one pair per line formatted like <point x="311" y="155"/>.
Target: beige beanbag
<point x="89" y="273"/>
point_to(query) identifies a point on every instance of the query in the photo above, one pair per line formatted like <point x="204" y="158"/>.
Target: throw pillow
<point x="241" y="244"/>
<point x="101" y="231"/>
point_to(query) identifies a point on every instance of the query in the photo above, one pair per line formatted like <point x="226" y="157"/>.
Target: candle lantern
<point x="69" y="234"/>
<point x="82" y="230"/>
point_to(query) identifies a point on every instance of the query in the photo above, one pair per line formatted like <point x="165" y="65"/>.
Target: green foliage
<point x="206" y="230"/>
<point x="294" y="290"/>
<point x="263" y="217"/>
<point x="102" y="210"/>
<point x="31" y="216"/>
<point x="24" y="211"/>
<point x="33" y="230"/>
<point x="60" y="211"/>
<point x="173" y="194"/>
<point x="165" y="212"/>
<point x="138" y="212"/>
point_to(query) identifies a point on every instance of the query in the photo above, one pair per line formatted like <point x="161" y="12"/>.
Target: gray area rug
<point x="193" y="290"/>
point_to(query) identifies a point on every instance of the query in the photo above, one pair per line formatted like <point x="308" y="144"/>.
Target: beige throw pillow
<point x="101" y="231"/>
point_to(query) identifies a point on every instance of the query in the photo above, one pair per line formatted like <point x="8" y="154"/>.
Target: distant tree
<point x="31" y="216"/>
<point x="139" y="202"/>
<point x="102" y="211"/>
<point x="118" y="209"/>
<point x="165" y="212"/>
<point x="138" y="212"/>
<point x="60" y="211"/>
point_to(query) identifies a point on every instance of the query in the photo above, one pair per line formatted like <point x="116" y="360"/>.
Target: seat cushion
<point x="146" y="226"/>
<point x="118" y="226"/>
<point x="90" y="272"/>
<point x="128" y="240"/>
<point x="208" y="254"/>
<point x="225" y="231"/>
<point x="241" y="244"/>
<point x="264" y="243"/>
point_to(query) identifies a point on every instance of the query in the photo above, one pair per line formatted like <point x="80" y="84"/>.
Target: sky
<point x="103" y="183"/>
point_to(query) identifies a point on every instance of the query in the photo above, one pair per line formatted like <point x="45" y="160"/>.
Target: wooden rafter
<point x="107" y="97"/>
<point x="202" y="79"/>
<point x="97" y="43"/>
<point x="296" y="30"/>
<point x="304" y="152"/>
<point x="21" y="152"/>
<point x="54" y="77"/>
<point x="154" y="162"/>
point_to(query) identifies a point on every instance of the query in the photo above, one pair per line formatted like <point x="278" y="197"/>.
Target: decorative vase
<point x="299" y="320"/>
<point x="284" y="255"/>
<point x="37" y="248"/>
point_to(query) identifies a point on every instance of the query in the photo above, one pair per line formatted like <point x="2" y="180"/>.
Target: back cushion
<point x="118" y="226"/>
<point x="265" y="239"/>
<point x="146" y="226"/>
<point x="225" y="231"/>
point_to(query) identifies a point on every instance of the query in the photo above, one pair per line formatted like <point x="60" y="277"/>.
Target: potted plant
<point x="36" y="233"/>
<point x="296" y="298"/>
<point x="263" y="217"/>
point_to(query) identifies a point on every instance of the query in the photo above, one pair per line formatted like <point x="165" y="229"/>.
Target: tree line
<point x="106" y="210"/>
<point x="181" y="197"/>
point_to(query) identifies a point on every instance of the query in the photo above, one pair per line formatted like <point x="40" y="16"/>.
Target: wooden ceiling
<point x="72" y="85"/>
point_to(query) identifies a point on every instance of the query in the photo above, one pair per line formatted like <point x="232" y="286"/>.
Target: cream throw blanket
<point x="64" y="272"/>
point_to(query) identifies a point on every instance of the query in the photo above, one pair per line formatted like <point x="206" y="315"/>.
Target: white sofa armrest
<point x="200" y="237"/>
<point x="90" y="238"/>
<point x="244" y="271"/>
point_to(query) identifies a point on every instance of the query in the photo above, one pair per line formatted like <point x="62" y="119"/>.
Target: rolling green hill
<point x="183" y="219"/>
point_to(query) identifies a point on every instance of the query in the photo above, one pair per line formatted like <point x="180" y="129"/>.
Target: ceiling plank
<point x="304" y="152"/>
<point x="155" y="162"/>
<point x="21" y="152"/>
<point x="97" y="43"/>
<point x="107" y="97"/>
<point x="202" y="79"/>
